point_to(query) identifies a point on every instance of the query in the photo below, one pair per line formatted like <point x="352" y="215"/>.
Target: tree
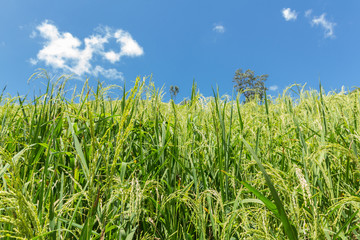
<point x="174" y="90"/>
<point x="250" y="85"/>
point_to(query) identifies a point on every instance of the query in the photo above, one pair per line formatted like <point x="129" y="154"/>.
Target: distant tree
<point x="174" y="90"/>
<point x="249" y="84"/>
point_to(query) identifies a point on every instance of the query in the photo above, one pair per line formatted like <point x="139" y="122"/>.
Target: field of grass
<point x="87" y="167"/>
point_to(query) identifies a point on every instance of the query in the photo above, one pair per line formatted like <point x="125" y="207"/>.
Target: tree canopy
<point x="174" y="90"/>
<point x="249" y="84"/>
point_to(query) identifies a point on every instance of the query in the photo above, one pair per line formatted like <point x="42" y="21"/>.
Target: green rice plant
<point x="82" y="165"/>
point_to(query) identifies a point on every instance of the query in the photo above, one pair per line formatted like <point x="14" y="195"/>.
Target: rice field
<point x="91" y="167"/>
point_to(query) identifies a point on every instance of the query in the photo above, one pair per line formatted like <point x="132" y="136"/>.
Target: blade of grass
<point x="79" y="151"/>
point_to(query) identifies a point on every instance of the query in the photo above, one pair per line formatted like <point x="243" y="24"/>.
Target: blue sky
<point x="178" y="41"/>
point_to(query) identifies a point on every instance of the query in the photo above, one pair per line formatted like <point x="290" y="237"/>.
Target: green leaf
<point x="130" y="236"/>
<point x="269" y="204"/>
<point x="289" y="228"/>
<point x="3" y="170"/>
<point x="79" y="151"/>
<point x="346" y="224"/>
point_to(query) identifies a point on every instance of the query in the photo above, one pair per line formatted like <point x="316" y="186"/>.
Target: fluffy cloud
<point x="325" y="24"/>
<point x="289" y="14"/>
<point x="108" y="73"/>
<point x="321" y="21"/>
<point x="273" y="88"/>
<point x="129" y="47"/>
<point x="219" y="28"/>
<point x="61" y="50"/>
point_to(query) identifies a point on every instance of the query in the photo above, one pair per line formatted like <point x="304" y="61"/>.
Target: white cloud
<point x="129" y="47"/>
<point x="219" y="28"/>
<point x="33" y="34"/>
<point x="273" y="88"/>
<point x="70" y="54"/>
<point x="308" y="12"/>
<point x="108" y="73"/>
<point x="33" y="61"/>
<point x="112" y="56"/>
<point x="289" y="14"/>
<point x="327" y="25"/>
